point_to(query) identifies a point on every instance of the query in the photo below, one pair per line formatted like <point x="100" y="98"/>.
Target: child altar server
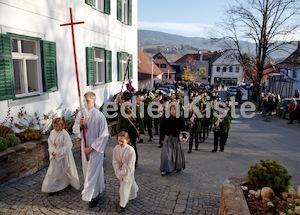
<point x="124" y="167"/>
<point x="62" y="169"/>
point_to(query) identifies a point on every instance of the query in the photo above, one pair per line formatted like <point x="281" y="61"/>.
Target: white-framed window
<point x="26" y="66"/>
<point x="125" y="11"/>
<point x="224" y="69"/>
<point x="237" y="69"/>
<point x="230" y="69"/>
<point x="218" y="69"/>
<point x="99" y="65"/>
<point x="99" y="4"/>
<point x="124" y="65"/>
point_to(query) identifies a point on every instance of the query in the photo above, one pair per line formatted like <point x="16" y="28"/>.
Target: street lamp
<point x="152" y="74"/>
<point x="168" y="75"/>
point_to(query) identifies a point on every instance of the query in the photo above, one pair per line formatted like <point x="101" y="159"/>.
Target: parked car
<point x="169" y="86"/>
<point x="282" y="109"/>
<point x="165" y="89"/>
<point x="231" y="91"/>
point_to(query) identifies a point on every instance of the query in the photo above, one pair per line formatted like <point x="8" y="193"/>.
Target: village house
<point x="200" y="63"/>
<point x="147" y="70"/>
<point x="37" y="69"/>
<point x="169" y="73"/>
<point x="227" y="70"/>
<point x="289" y="79"/>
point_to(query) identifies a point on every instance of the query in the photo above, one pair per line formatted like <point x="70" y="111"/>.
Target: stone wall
<point x="27" y="158"/>
<point x="232" y="197"/>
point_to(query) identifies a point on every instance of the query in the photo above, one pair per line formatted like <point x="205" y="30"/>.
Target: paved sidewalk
<point x="196" y="190"/>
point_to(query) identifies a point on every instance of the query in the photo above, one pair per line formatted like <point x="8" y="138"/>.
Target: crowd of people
<point x="171" y="126"/>
<point x="268" y="103"/>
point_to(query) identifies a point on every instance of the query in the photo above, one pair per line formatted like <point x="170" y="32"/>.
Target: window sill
<point x="26" y="100"/>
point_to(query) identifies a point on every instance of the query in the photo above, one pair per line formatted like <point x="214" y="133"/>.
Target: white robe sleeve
<point x="116" y="163"/>
<point x="67" y="145"/>
<point x="50" y="145"/>
<point x="128" y="167"/>
<point x="100" y="143"/>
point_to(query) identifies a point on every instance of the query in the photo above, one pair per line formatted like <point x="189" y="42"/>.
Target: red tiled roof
<point x="144" y="64"/>
<point x="190" y="58"/>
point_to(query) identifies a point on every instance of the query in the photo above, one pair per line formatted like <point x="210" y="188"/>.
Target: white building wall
<point x="42" y="18"/>
<point x="227" y="60"/>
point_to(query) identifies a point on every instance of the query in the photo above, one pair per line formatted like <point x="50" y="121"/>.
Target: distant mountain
<point x="150" y="38"/>
<point x="153" y="42"/>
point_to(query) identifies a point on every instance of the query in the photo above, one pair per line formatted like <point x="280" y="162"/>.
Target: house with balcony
<point x="226" y="69"/>
<point x="37" y="69"/>
<point x="289" y="79"/>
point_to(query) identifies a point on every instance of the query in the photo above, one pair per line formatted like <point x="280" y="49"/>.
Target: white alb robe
<point x="62" y="169"/>
<point x="96" y="137"/>
<point x="128" y="186"/>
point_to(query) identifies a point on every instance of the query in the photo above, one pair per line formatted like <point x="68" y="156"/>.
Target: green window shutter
<point x="107" y="66"/>
<point x="7" y="89"/>
<point x="129" y="12"/>
<point x="130" y="67"/>
<point x="90" y="66"/>
<point x="107" y="6"/>
<point x="119" y="55"/>
<point x="119" y="10"/>
<point x="89" y="2"/>
<point x="49" y="66"/>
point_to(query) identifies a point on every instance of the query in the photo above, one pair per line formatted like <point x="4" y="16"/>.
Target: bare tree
<point x="270" y="24"/>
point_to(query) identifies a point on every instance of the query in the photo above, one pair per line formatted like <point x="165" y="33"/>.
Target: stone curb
<point x="232" y="197"/>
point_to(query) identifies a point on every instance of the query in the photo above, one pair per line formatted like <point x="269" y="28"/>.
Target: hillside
<point x="174" y="46"/>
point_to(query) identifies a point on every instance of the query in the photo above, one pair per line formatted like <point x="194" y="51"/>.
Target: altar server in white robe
<point x="95" y="128"/>
<point x="124" y="167"/>
<point x="62" y="169"/>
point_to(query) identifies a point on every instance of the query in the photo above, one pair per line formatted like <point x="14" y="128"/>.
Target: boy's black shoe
<point x="141" y="141"/>
<point x="160" y="146"/>
<point x="189" y="151"/>
<point x="93" y="202"/>
<point x="213" y="150"/>
<point x="52" y="194"/>
<point x="120" y="209"/>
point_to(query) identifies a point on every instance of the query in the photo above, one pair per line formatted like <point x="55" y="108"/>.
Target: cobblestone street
<point x="196" y="190"/>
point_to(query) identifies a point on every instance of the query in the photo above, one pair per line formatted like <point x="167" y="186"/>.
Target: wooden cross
<point x="72" y="23"/>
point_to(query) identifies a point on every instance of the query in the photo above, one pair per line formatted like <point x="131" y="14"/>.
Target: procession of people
<point x="174" y="118"/>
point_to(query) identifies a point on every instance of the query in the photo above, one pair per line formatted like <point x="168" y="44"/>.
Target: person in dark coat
<point x="172" y="154"/>
<point x="220" y="129"/>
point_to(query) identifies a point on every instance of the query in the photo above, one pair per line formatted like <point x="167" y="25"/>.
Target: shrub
<point x="3" y="143"/>
<point x="30" y="134"/>
<point x="5" y="130"/>
<point x="12" y="139"/>
<point x="269" y="174"/>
